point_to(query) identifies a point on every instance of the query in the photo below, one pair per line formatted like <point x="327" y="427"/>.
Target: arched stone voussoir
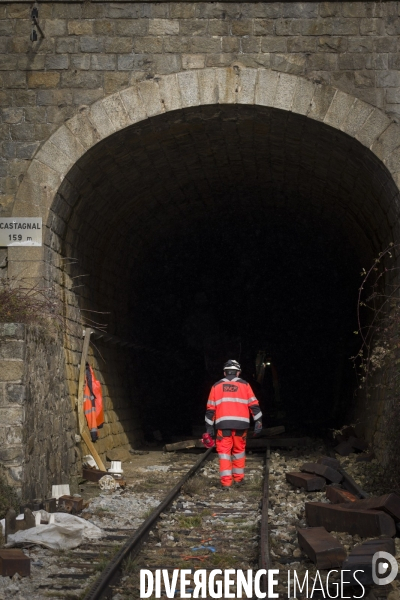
<point x="217" y="85"/>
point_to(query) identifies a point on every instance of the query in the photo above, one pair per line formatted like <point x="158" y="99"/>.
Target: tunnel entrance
<point x="225" y="228"/>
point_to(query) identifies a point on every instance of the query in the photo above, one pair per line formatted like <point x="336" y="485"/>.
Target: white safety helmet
<point x="232" y="365"/>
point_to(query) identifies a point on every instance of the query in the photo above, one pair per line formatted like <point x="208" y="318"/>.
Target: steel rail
<point x="133" y="545"/>
<point x="264" y="559"/>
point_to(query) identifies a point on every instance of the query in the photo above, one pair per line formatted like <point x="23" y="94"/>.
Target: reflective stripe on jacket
<point x="230" y="404"/>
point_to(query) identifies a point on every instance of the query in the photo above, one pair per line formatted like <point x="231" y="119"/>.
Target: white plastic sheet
<point x="67" y="532"/>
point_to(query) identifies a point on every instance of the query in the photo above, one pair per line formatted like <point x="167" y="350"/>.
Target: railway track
<point x="195" y="526"/>
<point x="205" y="528"/>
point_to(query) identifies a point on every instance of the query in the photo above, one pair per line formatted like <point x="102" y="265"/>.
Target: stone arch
<point x="148" y="99"/>
<point x="232" y="85"/>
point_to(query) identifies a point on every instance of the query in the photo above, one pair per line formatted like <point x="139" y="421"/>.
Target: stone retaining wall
<point x="38" y="425"/>
<point x="12" y="401"/>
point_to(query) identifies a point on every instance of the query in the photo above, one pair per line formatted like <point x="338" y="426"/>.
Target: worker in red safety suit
<point x="229" y="406"/>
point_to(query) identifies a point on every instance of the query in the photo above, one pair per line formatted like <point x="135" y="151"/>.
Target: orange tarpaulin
<point x="93" y="403"/>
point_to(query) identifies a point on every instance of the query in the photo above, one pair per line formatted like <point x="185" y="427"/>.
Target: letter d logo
<point x="382" y="568"/>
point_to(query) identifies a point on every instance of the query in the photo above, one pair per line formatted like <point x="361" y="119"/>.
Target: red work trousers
<point x="232" y="455"/>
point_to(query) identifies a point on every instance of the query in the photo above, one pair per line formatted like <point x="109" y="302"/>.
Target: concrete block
<point x="339" y="109"/>
<point x="133" y="104"/>
<point x="100" y="119"/>
<point x="267" y="82"/>
<point x="116" y="111"/>
<point x="150" y="94"/>
<point x="189" y="88"/>
<point x="170" y="92"/>
<point x="356" y="117"/>
<point x="285" y="91"/>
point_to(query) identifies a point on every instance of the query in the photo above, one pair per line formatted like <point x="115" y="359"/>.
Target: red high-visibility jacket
<point x="230" y="404"/>
<point x="93" y="403"/>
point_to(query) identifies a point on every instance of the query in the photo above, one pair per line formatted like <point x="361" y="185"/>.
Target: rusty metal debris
<point x="70" y="504"/>
<point x="358" y="443"/>
<point x="329" y="462"/>
<point x="389" y="503"/>
<point x="12" y="525"/>
<point x="338" y="496"/>
<point x="351" y="486"/>
<point x="323" y="471"/>
<point x="310" y="483"/>
<point x="50" y="505"/>
<point x="321" y="547"/>
<point x="344" y="449"/>
<point x="14" y="561"/>
<point x="366" y="523"/>
<point x="360" y="559"/>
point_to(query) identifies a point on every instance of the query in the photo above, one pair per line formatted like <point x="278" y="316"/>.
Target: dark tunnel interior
<point x="237" y="286"/>
<point x="219" y="232"/>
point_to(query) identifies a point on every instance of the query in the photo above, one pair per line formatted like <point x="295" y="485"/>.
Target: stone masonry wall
<point x="93" y="49"/>
<point x="37" y="425"/>
<point x="12" y="402"/>
<point x="50" y="451"/>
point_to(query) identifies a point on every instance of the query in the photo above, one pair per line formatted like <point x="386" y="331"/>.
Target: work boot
<point x="240" y="483"/>
<point x="225" y="487"/>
